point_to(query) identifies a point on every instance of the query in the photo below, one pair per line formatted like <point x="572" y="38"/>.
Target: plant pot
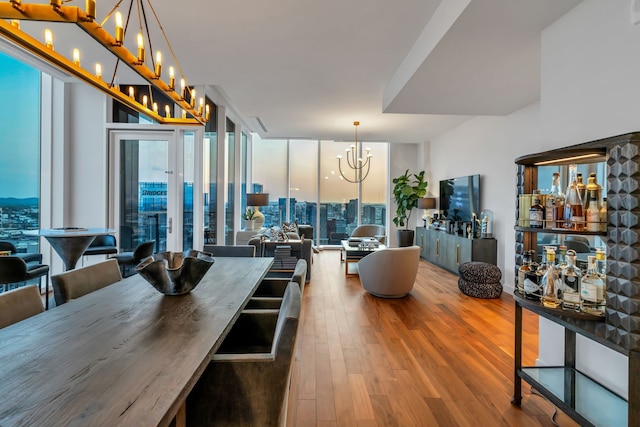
<point x="405" y="238"/>
<point x="248" y="224"/>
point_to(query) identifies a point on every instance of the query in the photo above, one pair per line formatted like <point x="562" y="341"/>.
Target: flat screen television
<point x="460" y="197"/>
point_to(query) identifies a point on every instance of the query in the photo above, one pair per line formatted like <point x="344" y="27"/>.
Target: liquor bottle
<point x="557" y="198"/>
<point x="523" y="269"/>
<point x="550" y="281"/>
<point x="532" y="281"/>
<point x="536" y="213"/>
<point x="593" y="190"/>
<point x="582" y="188"/>
<point x="573" y="211"/>
<point x="603" y="215"/>
<point x="571" y="276"/>
<point x="593" y="214"/>
<point x="601" y="263"/>
<point x="592" y="294"/>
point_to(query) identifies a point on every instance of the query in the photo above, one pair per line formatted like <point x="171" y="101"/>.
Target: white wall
<point x="590" y="85"/>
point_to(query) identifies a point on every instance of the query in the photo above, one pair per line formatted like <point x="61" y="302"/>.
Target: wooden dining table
<point x="125" y="355"/>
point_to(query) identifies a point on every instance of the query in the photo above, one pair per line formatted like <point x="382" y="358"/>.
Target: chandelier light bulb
<point x="145" y="100"/>
<point x="207" y="112"/>
<point x="119" y="29"/>
<point x="155" y="107"/>
<point x="193" y="98"/>
<point x="91" y="9"/>
<point x="167" y="111"/>
<point x="140" y="48"/>
<point x="98" y="71"/>
<point x="183" y="89"/>
<point x="76" y="56"/>
<point x="131" y="92"/>
<point x="158" y="64"/>
<point x="172" y="79"/>
<point x="200" y="105"/>
<point x="48" y="38"/>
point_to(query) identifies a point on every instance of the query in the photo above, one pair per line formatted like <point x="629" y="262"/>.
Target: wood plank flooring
<point x="434" y="358"/>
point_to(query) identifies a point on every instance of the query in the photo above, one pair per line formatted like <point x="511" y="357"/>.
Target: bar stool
<point x="14" y="269"/>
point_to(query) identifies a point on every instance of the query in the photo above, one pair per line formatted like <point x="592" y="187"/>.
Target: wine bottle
<point x="593" y="214"/>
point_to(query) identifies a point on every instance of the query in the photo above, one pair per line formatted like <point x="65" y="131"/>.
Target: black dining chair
<point x="14" y="269"/>
<point x="5" y="245"/>
<point x="128" y="259"/>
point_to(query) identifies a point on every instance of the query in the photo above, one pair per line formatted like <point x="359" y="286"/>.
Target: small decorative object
<point x="249" y="216"/>
<point x="486" y="224"/>
<point x="175" y="273"/>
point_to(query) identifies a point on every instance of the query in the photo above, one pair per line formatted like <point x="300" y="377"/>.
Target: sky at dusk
<point x="19" y="129"/>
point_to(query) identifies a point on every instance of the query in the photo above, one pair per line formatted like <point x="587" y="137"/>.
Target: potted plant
<point x="407" y="189"/>
<point x="249" y="215"/>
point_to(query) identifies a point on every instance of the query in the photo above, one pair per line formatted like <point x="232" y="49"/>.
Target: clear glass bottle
<point x="593" y="213"/>
<point x="549" y="281"/>
<point x="592" y="293"/>
<point x="573" y="209"/>
<point x="571" y="276"/>
<point x="601" y="263"/>
<point x="523" y="269"/>
<point x="536" y="213"/>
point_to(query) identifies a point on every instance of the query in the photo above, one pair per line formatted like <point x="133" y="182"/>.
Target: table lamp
<point x="426" y="203"/>
<point x="256" y="200"/>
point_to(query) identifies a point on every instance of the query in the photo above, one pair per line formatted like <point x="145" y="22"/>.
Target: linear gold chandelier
<point x="14" y="11"/>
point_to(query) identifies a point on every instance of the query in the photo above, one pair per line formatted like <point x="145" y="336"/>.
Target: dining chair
<point x="5" y="245"/>
<point x="73" y="284"/>
<point x="131" y="259"/>
<point x="230" y="250"/>
<point x="246" y="382"/>
<point x="14" y="269"/>
<point x="19" y="304"/>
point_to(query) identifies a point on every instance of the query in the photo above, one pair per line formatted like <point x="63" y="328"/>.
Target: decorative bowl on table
<point x="175" y="273"/>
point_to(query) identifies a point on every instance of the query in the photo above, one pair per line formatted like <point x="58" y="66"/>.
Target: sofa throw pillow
<point x="290" y="227"/>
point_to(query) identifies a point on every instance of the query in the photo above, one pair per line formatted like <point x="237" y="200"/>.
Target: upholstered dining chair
<point x="390" y="272"/>
<point x="131" y="259"/>
<point x="14" y="269"/>
<point x="26" y="256"/>
<point x="230" y="250"/>
<point x="19" y="304"/>
<point x="73" y="284"/>
<point x="246" y="382"/>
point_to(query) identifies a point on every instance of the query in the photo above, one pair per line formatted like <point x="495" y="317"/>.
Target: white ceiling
<point x="408" y="70"/>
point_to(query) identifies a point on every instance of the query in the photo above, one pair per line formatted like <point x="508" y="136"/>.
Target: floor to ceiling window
<point x="210" y="154"/>
<point x="305" y="185"/>
<point x="338" y="197"/>
<point x="270" y="176"/>
<point x="303" y="181"/>
<point x="19" y="152"/>
<point x="231" y="170"/>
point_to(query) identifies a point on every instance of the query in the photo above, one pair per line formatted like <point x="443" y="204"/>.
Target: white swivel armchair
<point x="390" y="272"/>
